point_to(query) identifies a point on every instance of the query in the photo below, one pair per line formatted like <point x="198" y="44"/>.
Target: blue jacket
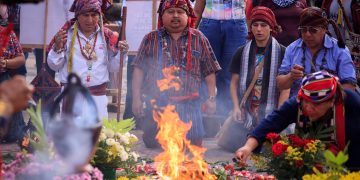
<point x="337" y="61"/>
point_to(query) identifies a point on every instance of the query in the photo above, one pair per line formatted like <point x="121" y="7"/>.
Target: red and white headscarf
<point x="318" y="87"/>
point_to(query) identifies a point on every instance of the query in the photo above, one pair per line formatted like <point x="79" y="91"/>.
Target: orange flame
<point x="180" y="159"/>
<point x="169" y="81"/>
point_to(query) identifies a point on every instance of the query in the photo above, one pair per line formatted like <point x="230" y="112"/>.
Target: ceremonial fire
<point x="180" y="159"/>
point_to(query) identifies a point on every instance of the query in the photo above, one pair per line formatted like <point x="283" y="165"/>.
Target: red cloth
<point x="264" y="14"/>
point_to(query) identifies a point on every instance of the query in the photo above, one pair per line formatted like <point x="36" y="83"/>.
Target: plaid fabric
<point x="203" y="60"/>
<point x="318" y="87"/>
<point x="151" y="59"/>
<point x="13" y="48"/>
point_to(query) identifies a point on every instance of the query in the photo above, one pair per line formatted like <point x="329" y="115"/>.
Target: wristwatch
<point x="212" y="98"/>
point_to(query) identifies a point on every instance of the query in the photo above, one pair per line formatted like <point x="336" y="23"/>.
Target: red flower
<point x="273" y="137"/>
<point x="319" y="167"/>
<point x="231" y="168"/>
<point x="296" y="141"/>
<point x="307" y="142"/>
<point x="278" y="149"/>
<point x="299" y="163"/>
<point x="333" y="148"/>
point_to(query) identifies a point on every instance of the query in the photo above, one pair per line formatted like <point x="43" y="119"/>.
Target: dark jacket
<point x="287" y="114"/>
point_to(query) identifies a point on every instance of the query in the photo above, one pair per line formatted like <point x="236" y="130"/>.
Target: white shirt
<point x="99" y="73"/>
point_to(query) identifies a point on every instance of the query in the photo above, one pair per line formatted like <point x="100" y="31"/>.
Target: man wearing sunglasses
<point x="315" y="50"/>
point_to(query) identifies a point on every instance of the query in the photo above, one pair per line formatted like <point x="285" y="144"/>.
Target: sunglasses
<point x="311" y="29"/>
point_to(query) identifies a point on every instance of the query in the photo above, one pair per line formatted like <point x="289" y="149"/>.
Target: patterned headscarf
<point x="183" y="4"/>
<point x="261" y="13"/>
<point x="84" y="6"/>
<point x="318" y="87"/>
<point x="322" y="86"/>
<point x="314" y="16"/>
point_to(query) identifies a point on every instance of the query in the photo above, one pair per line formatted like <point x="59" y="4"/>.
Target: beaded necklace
<point x="89" y="53"/>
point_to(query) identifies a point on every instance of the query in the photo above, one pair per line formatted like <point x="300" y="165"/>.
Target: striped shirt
<point x="152" y="59"/>
<point x="224" y="9"/>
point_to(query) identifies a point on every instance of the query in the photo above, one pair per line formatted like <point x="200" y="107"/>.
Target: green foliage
<point x="335" y="163"/>
<point x="317" y="131"/>
<point x="122" y="126"/>
<point x="41" y="144"/>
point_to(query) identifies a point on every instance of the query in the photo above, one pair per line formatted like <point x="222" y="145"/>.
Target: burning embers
<point x="180" y="159"/>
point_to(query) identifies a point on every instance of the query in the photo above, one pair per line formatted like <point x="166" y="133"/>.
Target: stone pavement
<point x="213" y="153"/>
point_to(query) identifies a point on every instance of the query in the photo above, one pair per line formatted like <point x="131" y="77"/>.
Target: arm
<point x="288" y="72"/>
<point x="114" y="57"/>
<point x="211" y="86"/>
<point x="56" y="61"/>
<point x="236" y="113"/>
<point x="13" y="63"/>
<point x="346" y="69"/>
<point x="199" y="9"/>
<point x="56" y="57"/>
<point x="275" y="122"/>
<point x="284" y="95"/>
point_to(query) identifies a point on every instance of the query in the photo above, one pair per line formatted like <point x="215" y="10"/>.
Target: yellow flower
<point x="122" y="178"/>
<point x="312" y="147"/>
<point x="351" y="176"/>
<point x="282" y="142"/>
<point x="293" y="154"/>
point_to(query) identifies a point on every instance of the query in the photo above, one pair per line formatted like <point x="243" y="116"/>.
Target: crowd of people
<point x="269" y="63"/>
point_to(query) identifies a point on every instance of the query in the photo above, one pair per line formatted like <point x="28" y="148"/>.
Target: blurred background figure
<point x="14" y="96"/>
<point x="223" y="22"/>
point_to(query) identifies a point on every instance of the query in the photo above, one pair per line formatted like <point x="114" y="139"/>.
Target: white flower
<point x="109" y="133"/>
<point x="110" y="142"/>
<point x="119" y="147"/>
<point x="135" y="155"/>
<point x="124" y="139"/>
<point x="124" y="156"/>
<point x="133" y="138"/>
<point x="102" y="136"/>
<point x="117" y="135"/>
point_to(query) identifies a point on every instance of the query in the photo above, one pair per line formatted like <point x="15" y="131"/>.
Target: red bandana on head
<point x="183" y="4"/>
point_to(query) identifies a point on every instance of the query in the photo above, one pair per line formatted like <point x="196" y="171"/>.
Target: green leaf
<point x="341" y="158"/>
<point x="329" y="156"/>
<point x="122" y="126"/>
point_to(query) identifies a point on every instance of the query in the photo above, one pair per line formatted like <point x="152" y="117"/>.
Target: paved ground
<point x="213" y="153"/>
